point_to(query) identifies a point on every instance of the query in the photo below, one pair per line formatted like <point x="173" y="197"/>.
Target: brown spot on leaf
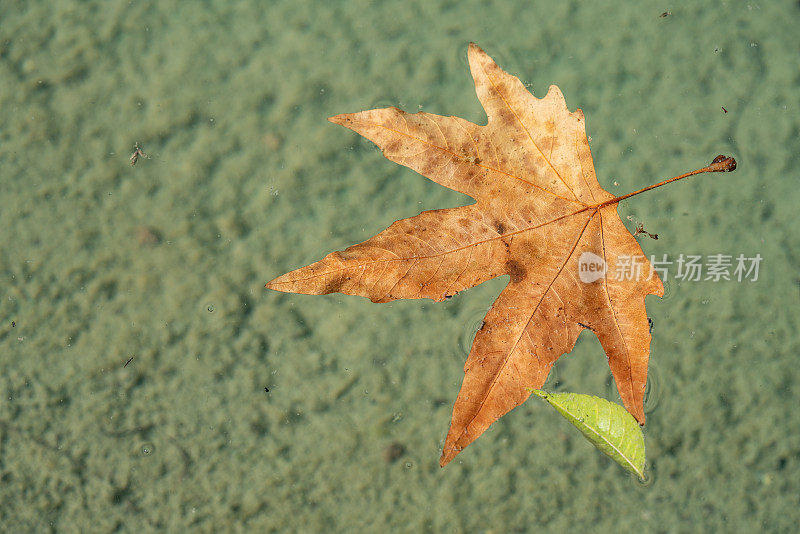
<point x="516" y="270"/>
<point x="334" y="285"/>
<point x="393" y="147"/>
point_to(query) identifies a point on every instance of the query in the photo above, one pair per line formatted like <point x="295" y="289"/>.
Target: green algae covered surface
<point x="248" y="410"/>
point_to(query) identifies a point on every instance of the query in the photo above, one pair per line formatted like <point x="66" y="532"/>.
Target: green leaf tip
<point x="607" y="425"/>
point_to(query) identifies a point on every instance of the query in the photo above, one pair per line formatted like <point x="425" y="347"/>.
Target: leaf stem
<point x="720" y="164"/>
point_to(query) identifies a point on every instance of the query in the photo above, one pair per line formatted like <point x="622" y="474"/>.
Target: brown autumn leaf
<point x="539" y="210"/>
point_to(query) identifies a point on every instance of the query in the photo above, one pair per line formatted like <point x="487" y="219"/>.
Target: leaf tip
<point x="273" y="284"/>
<point x="539" y="393"/>
<point x="639" y="415"/>
<point x="475" y="53"/>
<point x="341" y="118"/>
<point x="447" y="455"/>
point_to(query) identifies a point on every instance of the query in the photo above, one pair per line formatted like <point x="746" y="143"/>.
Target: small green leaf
<point x="607" y="425"/>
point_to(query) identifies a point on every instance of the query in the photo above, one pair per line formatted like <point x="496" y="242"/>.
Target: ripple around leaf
<point x="473" y="324"/>
<point x="652" y="392"/>
<point x="647" y="480"/>
<point x="554" y="382"/>
<point x="667" y="290"/>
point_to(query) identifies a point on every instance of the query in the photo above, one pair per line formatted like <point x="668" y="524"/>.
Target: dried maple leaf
<point x="539" y="209"/>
